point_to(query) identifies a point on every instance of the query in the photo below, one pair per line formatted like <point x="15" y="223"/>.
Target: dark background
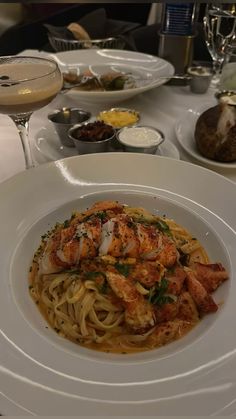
<point x="31" y="33"/>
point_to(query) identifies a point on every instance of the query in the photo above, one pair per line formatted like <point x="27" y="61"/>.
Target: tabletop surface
<point x="161" y="107"/>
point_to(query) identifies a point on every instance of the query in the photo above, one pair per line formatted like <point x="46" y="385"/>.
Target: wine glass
<point x="27" y="84"/>
<point x="220" y="26"/>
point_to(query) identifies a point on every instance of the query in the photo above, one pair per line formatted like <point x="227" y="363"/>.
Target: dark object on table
<point x="33" y="35"/>
<point x="215" y="134"/>
<point x="176" y="37"/>
<point x="86" y="33"/>
<point x="65" y="118"/>
<point x="92" y="137"/>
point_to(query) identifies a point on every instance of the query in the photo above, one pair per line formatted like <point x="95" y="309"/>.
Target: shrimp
<point x="122" y="237"/>
<point x="49" y="261"/>
<point x="83" y="244"/>
<point x="167" y="332"/>
<point x="101" y="206"/>
<point x="176" y="278"/>
<point x="119" y="238"/>
<point x="147" y="272"/>
<point x="69" y="245"/>
<point x="187" y="308"/>
<point x="139" y="314"/>
<point x="154" y="245"/>
<point x="210" y="275"/>
<point x="201" y="297"/>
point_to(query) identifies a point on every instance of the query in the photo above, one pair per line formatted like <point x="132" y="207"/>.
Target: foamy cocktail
<point x="27" y="84"/>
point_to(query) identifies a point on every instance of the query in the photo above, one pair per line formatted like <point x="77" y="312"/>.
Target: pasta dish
<point x="120" y="279"/>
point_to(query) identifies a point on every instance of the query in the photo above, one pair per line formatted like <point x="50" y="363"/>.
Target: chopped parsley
<point x="102" y="215"/>
<point x="122" y="268"/>
<point x="94" y="274"/>
<point x="66" y="224"/>
<point x="158" y="293"/>
<point x="163" y="227"/>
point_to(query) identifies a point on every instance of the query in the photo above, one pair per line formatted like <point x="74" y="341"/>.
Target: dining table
<point x="172" y="109"/>
<point x="161" y="107"/>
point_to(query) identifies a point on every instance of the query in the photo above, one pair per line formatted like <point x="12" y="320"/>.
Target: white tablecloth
<point x="160" y="107"/>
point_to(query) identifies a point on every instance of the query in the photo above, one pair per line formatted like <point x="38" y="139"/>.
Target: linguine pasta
<point x="119" y="279"/>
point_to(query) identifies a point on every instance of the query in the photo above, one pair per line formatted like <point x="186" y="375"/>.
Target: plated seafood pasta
<point x="119" y="279"/>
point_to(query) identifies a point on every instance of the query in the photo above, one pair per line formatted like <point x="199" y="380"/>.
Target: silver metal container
<point x="59" y="44"/>
<point x="137" y="148"/>
<point x="64" y="119"/>
<point x="87" y="147"/>
<point x="200" y="78"/>
<point x="102" y="117"/>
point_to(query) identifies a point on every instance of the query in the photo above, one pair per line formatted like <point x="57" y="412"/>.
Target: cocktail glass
<point x="27" y="84"/>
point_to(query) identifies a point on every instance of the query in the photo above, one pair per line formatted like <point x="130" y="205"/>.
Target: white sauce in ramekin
<point x="140" y="137"/>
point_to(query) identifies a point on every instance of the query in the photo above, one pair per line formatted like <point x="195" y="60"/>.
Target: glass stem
<point x="22" y="124"/>
<point x="217" y="67"/>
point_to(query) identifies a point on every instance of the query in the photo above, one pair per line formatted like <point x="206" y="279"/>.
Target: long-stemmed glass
<point x="220" y="30"/>
<point x="27" y="84"/>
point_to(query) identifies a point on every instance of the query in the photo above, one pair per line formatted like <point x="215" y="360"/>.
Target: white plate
<point x="184" y="129"/>
<point x="44" y="375"/>
<point x="48" y="144"/>
<point x="143" y="66"/>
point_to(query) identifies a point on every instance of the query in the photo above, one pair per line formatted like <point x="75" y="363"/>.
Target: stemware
<point x="27" y="84"/>
<point x="219" y="26"/>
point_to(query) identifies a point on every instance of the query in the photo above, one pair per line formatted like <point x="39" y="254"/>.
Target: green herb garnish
<point x="94" y="274"/>
<point x="157" y="294"/>
<point x="163" y="227"/>
<point x="66" y="224"/>
<point x="102" y="287"/>
<point x="122" y="268"/>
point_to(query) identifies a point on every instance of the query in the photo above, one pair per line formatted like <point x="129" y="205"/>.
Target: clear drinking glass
<point x="228" y="74"/>
<point x="219" y="25"/>
<point x="27" y="84"/>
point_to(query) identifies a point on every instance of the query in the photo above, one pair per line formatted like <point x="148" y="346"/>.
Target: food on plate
<point x="109" y="81"/>
<point x="119" y="117"/>
<point x="93" y="131"/>
<point x="119" y="279"/>
<point x="215" y="132"/>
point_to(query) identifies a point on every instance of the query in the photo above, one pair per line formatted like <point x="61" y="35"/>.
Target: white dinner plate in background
<point x="151" y="71"/>
<point x="40" y="375"/>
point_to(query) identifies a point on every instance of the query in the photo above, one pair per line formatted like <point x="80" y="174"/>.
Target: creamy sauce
<point x="140" y="137"/>
<point x="199" y="71"/>
<point x="229" y="100"/>
<point x="226" y="121"/>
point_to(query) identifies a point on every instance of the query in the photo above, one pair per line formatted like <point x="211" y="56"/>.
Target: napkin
<point x="98" y="26"/>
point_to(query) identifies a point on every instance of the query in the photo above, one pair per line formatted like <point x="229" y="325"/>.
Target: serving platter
<point x="43" y="376"/>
